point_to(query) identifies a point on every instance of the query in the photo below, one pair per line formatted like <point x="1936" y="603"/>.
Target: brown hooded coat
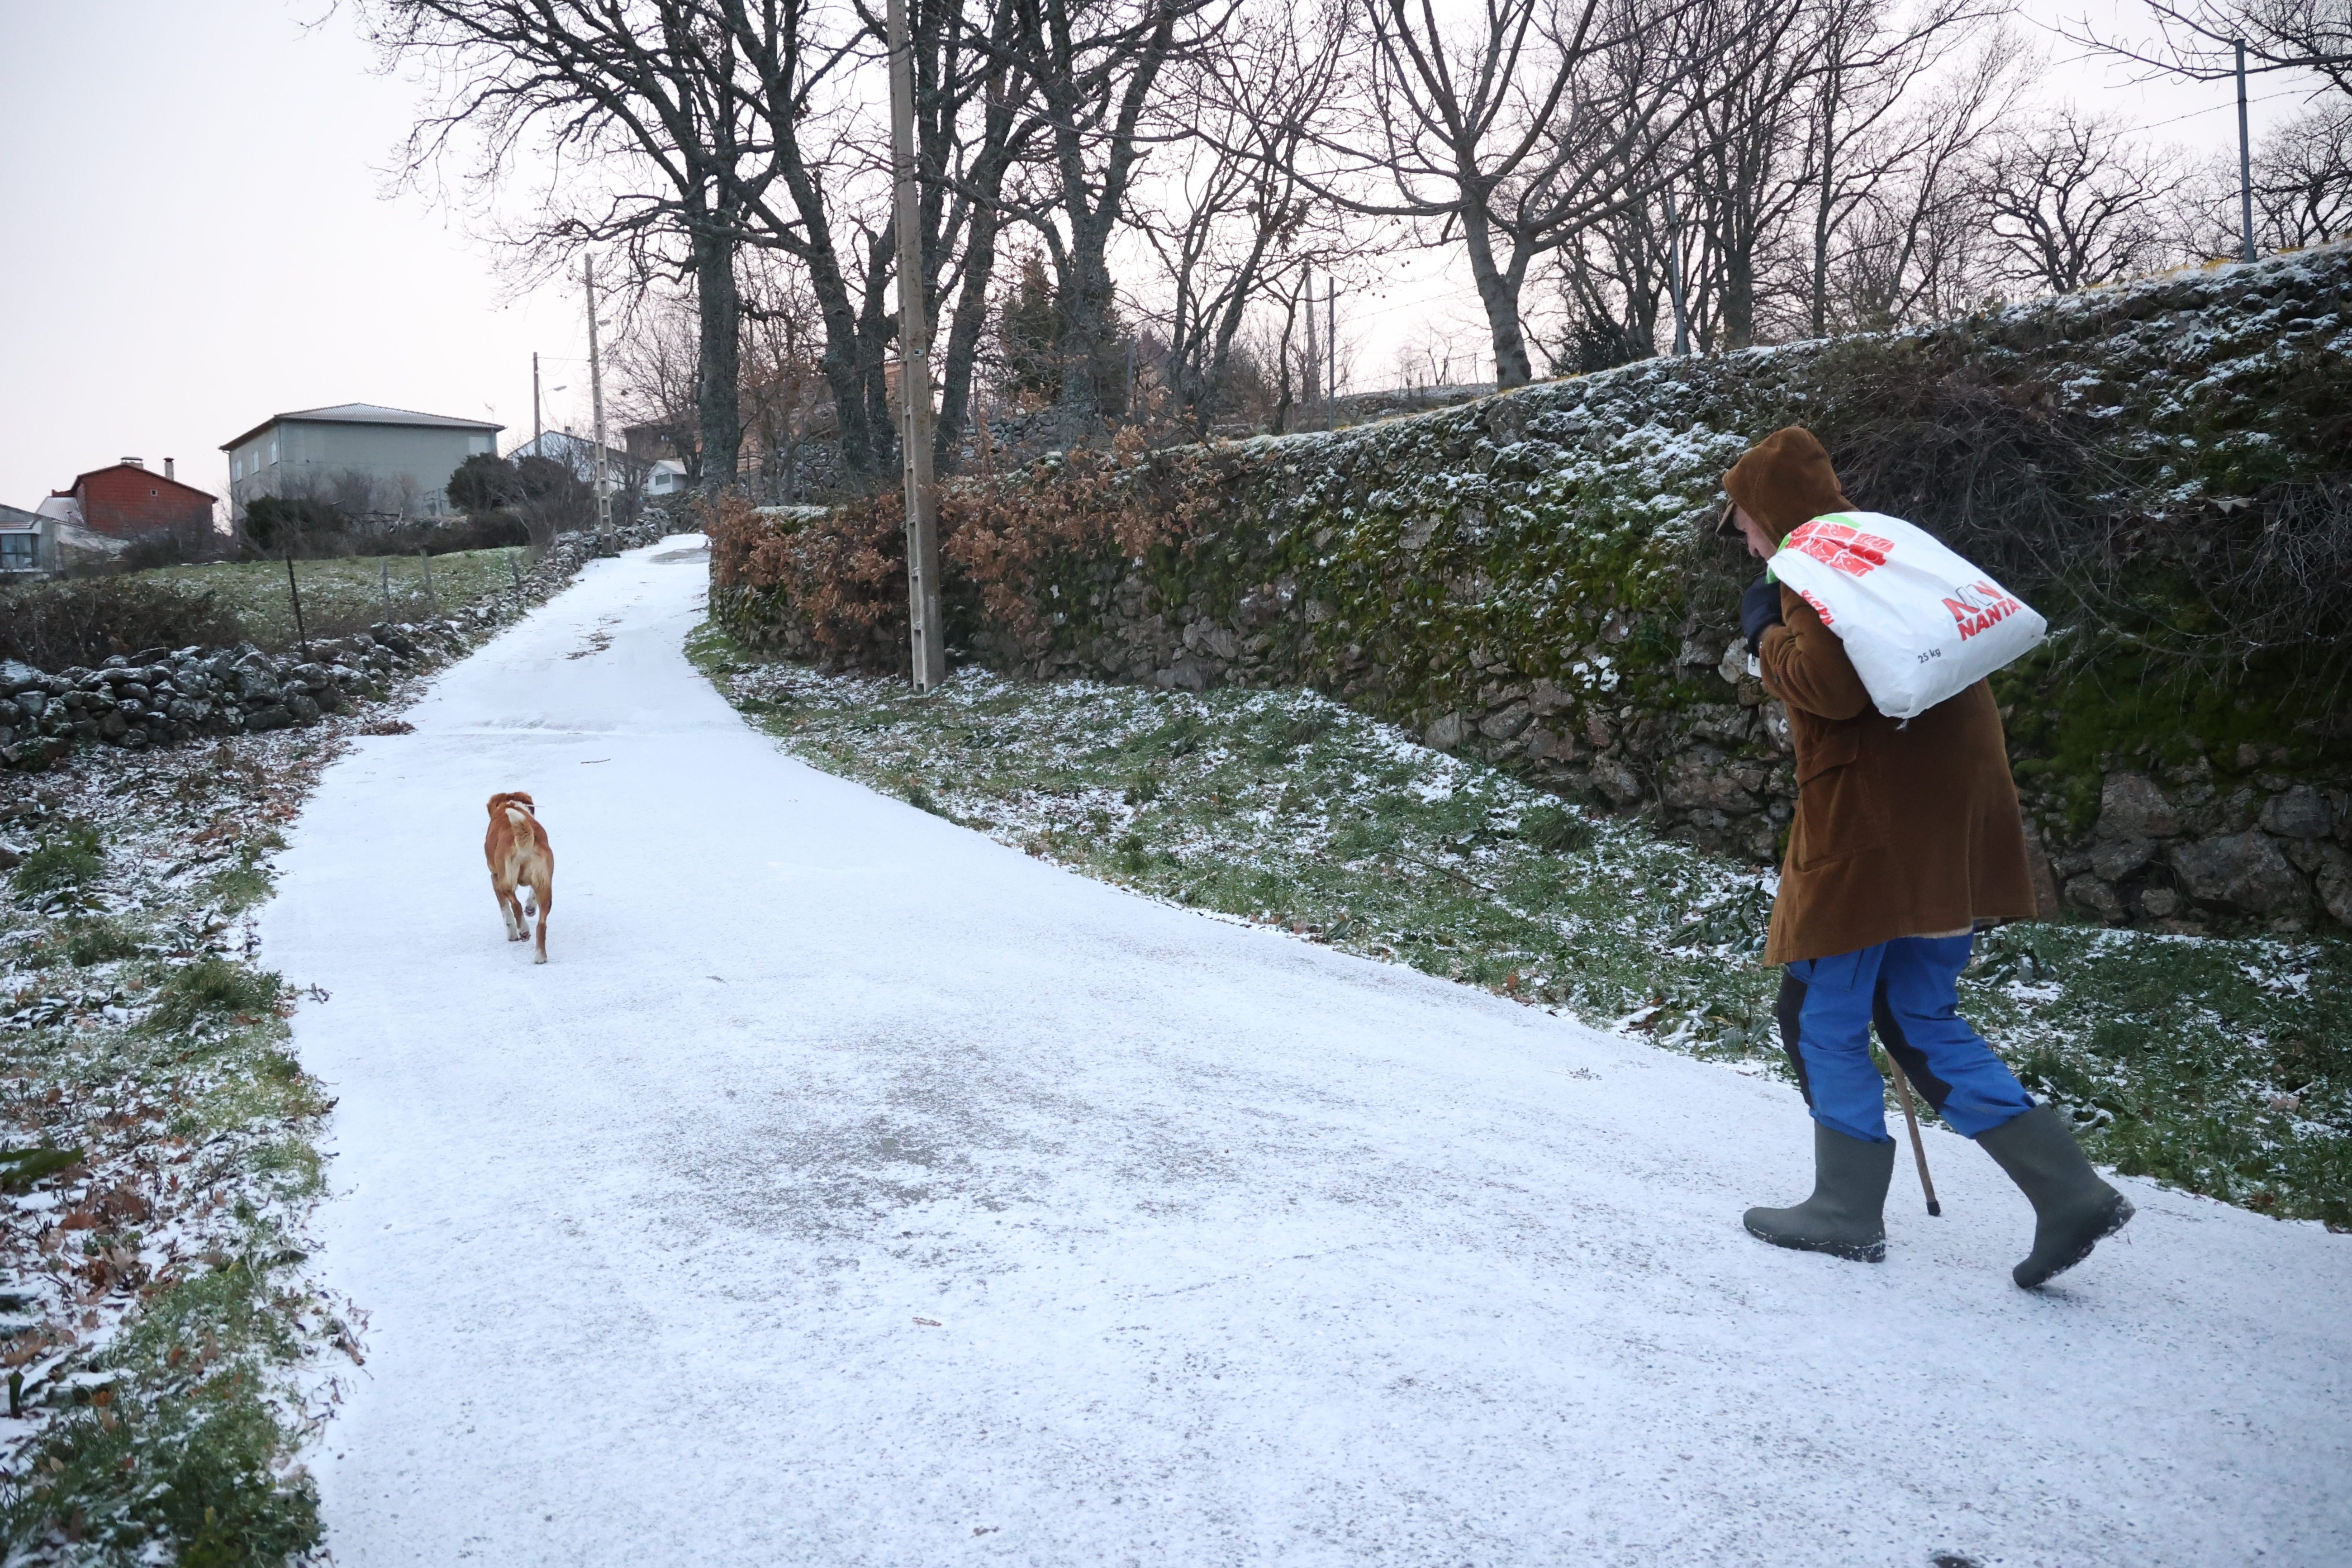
<point x="1901" y="830"/>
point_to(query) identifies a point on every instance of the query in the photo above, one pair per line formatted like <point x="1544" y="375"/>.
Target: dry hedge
<point x="83" y="621"/>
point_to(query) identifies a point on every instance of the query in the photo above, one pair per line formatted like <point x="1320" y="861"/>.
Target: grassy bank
<point x="160" y="1161"/>
<point x="2223" y="1066"/>
<point x="343" y="594"/>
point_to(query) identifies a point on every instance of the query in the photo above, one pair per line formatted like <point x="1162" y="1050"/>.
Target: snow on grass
<point x="347" y="593"/>
<point x="167" y="1353"/>
<point x="160" y="1138"/>
<point x="2223" y="1065"/>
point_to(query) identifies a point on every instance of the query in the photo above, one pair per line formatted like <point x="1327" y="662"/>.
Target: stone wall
<point x="1528" y="578"/>
<point x="169" y="697"/>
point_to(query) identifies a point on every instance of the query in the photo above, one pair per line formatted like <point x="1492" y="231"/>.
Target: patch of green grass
<point x="344" y="595"/>
<point x="212" y="988"/>
<point x="65" y="860"/>
<point x="22" y="1169"/>
<point x="2217" y="1064"/>
<point x="2224" y="1067"/>
<point x="99" y="941"/>
<point x="186" y="1448"/>
<point x="245" y="880"/>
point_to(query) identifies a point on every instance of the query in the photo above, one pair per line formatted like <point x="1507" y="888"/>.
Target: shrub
<point x="56" y="625"/>
<point x="276" y="522"/>
<point x="840" y="583"/>
<point x="98" y="941"/>
<point x="492" y="531"/>
<point x="64" y="861"/>
<point x="212" y="985"/>
<point x="484" y="483"/>
<point x="1556" y="830"/>
<point x="533" y="498"/>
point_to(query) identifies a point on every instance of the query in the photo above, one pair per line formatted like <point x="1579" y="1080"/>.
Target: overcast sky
<point x="198" y="237"/>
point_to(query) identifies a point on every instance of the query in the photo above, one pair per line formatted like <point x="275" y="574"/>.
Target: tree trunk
<point x="878" y="329"/>
<point x="720" y="303"/>
<point x="1498" y="291"/>
<point x="964" y="332"/>
<point x="1085" y="309"/>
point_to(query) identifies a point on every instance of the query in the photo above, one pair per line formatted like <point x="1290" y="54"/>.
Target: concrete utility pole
<point x="925" y="633"/>
<point x="596" y="400"/>
<point x="1332" y="352"/>
<point x="1674" y="275"/>
<point x="2245" y="163"/>
<point x="1312" y="392"/>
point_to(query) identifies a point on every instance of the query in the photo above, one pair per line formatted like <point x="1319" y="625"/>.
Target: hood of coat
<point x="1786" y="481"/>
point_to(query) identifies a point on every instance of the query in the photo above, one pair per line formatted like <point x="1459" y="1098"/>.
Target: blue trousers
<point x="1908" y="988"/>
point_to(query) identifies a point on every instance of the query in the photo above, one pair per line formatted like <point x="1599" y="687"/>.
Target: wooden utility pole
<point x="924" y="631"/>
<point x="596" y="400"/>
<point x="537" y="431"/>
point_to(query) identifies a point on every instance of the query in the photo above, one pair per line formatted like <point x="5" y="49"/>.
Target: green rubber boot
<point x="1846" y="1215"/>
<point x="2073" y="1210"/>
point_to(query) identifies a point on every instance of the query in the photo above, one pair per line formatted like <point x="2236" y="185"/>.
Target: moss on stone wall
<point x="1530" y="576"/>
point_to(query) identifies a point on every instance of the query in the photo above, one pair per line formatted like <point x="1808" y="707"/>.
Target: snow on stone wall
<point x="1529" y="578"/>
<point x="164" y="697"/>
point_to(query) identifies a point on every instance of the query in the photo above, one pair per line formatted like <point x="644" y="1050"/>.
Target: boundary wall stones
<point x="168" y="696"/>
<point x="1528" y="578"/>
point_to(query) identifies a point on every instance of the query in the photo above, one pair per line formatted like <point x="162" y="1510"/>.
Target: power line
<point x="2209" y="109"/>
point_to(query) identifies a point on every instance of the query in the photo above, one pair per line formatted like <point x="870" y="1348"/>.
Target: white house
<point x="362" y="456"/>
<point x="667" y="477"/>
<point x="663" y="476"/>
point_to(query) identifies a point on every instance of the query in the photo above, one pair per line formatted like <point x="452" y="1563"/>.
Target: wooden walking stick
<point x="1911" y="1120"/>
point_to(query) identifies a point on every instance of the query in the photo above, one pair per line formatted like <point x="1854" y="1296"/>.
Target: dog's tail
<point x="519" y="814"/>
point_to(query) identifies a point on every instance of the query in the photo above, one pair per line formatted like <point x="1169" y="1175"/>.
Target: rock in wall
<point x="1530" y="577"/>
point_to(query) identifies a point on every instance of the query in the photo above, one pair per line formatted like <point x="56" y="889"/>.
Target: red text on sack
<point x="1840" y="547"/>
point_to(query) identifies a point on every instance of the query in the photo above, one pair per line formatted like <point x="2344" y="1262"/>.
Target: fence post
<point x="295" y="594"/>
<point x="432" y="606"/>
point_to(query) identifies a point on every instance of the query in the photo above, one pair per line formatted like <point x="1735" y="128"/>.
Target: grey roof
<point x="365" y="413"/>
<point x="17" y="517"/>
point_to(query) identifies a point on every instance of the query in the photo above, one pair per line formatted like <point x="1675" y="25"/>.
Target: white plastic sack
<point x="1919" y="623"/>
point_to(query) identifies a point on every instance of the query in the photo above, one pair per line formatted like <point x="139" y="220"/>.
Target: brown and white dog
<point x="518" y="856"/>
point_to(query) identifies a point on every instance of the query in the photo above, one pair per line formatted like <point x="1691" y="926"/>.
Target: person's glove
<point x="1760" y="607"/>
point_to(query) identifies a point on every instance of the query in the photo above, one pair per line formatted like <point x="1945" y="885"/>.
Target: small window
<point x="273" y="448"/>
<point x="16" y="552"/>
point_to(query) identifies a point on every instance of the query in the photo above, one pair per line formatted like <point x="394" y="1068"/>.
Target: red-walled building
<point x="128" y="502"/>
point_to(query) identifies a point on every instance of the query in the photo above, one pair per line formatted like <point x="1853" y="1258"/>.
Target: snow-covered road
<point x="851" y="1189"/>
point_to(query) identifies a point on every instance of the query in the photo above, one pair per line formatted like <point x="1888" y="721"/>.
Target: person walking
<point x="1906" y="836"/>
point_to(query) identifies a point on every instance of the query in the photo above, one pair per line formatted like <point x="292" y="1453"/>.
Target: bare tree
<point x="1858" y="141"/>
<point x="646" y="97"/>
<point x="1230" y="220"/>
<point x="1512" y="130"/>
<point x="2075" y="203"/>
<point x="2200" y="40"/>
<point x="1099" y="67"/>
<point x="1755" y="60"/>
<point x="784" y="380"/>
<point x="2302" y="185"/>
<point x="1916" y="248"/>
<point x="657" y="369"/>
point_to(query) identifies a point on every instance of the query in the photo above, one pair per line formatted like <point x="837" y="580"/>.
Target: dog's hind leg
<point x="510" y="909"/>
<point x="543" y="894"/>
